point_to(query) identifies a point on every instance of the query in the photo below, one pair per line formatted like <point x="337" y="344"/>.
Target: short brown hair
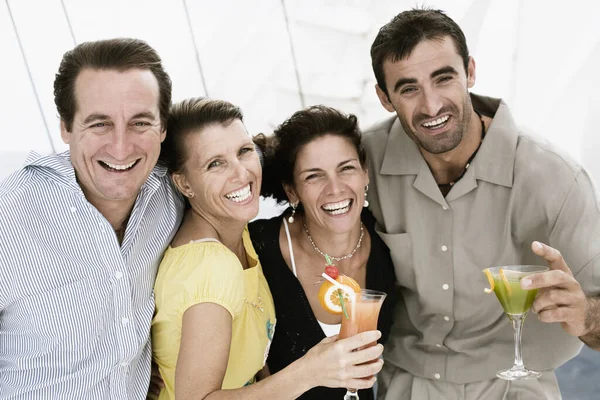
<point x="188" y="116"/>
<point x="119" y="54"/>
<point x="398" y="38"/>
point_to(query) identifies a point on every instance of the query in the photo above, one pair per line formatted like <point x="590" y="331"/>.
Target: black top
<point x="297" y="329"/>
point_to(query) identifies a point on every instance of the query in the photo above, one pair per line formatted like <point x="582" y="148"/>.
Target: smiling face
<point x="330" y="183"/>
<point x="116" y="135"/>
<point x="429" y="93"/>
<point x="223" y="172"/>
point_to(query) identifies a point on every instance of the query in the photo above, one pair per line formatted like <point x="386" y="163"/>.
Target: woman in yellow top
<point x="214" y="312"/>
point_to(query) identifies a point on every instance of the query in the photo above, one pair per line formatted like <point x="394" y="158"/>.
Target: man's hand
<point x="560" y="297"/>
<point x="156" y="383"/>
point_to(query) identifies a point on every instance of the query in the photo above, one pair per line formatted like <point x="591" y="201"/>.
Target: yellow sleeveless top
<point x="207" y="271"/>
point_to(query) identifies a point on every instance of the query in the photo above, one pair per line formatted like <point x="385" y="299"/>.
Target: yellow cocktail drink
<point x="513" y="299"/>
<point x="505" y="282"/>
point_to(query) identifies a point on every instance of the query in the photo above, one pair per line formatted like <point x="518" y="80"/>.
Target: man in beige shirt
<point x="456" y="187"/>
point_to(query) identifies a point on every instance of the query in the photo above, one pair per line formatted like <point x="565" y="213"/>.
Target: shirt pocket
<point x="65" y="318"/>
<point x="400" y="245"/>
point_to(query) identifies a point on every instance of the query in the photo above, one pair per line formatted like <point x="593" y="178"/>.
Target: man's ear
<point x="471" y="75"/>
<point x="64" y="134"/>
<point x="383" y="99"/>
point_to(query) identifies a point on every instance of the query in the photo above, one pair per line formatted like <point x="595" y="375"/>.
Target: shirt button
<point x="437" y="376"/>
<point x="124" y="364"/>
<point x="445" y="286"/>
<point x="446" y="318"/>
<point x="118" y="274"/>
<point x="438" y="345"/>
<point x="444" y="248"/>
<point x="444" y="207"/>
<point x="124" y="321"/>
<point x="73" y="209"/>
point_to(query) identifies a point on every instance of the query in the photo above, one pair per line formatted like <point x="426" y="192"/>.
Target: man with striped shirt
<point x="82" y="233"/>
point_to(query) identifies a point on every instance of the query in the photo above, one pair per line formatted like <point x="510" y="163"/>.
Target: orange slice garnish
<point x="490" y="278"/>
<point x="505" y="280"/>
<point x="329" y="294"/>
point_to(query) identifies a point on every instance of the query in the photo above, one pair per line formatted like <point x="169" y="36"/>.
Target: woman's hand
<point x="342" y="363"/>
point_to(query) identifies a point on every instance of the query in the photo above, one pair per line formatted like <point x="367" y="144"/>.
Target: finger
<point x="553" y="298"/>
<point x="329" y="339"/>
<point x="366" y="370"/>
<point x="153" y="390"/>
<point x="360" y="383"/>
<point x="553" y="278"/>
<point x="551" y="255"/>
<point x="365" y="355"/>
<point x="152" y="395"/>
<point x="360" y="340"/>
<point x="558" y="314"/>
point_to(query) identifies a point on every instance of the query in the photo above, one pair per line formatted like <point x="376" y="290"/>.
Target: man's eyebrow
<point x="94" y="117"/>
<point x="444" y="70"/>
<point x="402" y="82"/>
<point x="144" y="114"/>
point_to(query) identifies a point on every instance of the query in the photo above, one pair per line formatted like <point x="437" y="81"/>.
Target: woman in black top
<point x="316" y="162"/>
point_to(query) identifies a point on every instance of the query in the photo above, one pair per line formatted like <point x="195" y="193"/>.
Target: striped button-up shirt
<point x="75" y="305"/>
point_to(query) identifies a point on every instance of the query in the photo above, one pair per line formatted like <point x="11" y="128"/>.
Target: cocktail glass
<point x="516" y="302"/>
<point x="362" y="311"/>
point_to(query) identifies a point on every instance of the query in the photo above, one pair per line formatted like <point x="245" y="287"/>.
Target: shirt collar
<point x="493" y="163"/>
<point x="60" y="165"/>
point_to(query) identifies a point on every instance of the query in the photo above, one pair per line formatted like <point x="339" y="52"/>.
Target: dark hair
<point x="190" y="116"/>
<point x="399" y="37"/>
<point x="281" y="149"/>
<point x="118" y="54"/>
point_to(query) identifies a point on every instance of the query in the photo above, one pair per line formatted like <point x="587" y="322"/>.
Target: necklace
<point x="259" y="306"/>
<point x="349" y="255"/>
<point x="445" y="187"/>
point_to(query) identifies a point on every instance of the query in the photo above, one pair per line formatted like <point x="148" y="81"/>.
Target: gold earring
<point x="291" y="218"/>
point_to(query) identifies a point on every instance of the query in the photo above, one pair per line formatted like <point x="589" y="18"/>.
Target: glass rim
<point x="370" y="294"/>
<point x="519" y="268"/>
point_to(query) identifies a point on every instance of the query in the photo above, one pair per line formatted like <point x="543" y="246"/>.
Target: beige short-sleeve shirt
<point x="518" y="189"/>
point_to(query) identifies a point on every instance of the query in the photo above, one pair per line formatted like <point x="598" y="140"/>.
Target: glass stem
<point x="517" y="324"/>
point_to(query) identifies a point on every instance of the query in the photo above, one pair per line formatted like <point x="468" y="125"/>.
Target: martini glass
<point x="362" y="311"/>
<point x="516" y="302"/>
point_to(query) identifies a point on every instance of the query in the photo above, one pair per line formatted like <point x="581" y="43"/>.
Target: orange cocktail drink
<point x="361" y="315"/>
<point x="363" y="312"/>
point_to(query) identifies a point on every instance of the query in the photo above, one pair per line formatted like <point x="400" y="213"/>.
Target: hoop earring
<point x="291" y="218"/>
<point x="366" y="203"/>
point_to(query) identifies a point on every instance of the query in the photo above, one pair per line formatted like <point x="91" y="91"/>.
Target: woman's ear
<point x="182" y="185"/>
<point x="291" y="194"/>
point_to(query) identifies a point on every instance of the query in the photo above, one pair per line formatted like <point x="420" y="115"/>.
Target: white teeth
<point x="240" y="195"/>
<point x="120" y="167"/>
<point x="339" y="211"/>
<point x="436" y="122"/>
<point x="338" y="208"/>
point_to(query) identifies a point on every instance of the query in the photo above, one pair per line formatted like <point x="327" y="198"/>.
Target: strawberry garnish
<point x="332" y="271"/>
